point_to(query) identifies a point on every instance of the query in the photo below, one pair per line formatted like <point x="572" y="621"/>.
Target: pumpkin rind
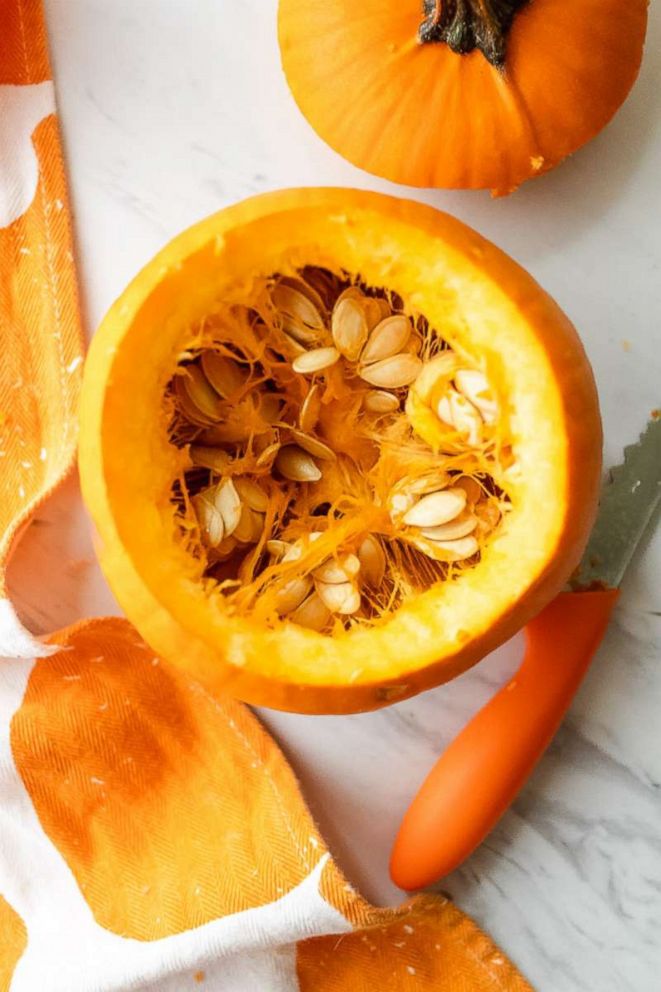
<point x="126" y="462"/>
<point x="425" y="115"/>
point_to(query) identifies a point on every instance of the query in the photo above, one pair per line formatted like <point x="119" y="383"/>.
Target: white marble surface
<point x="173" y="108"/>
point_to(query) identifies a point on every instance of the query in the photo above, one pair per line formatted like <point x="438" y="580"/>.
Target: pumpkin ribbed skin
<point x="424" y="115"/>
<point x="487" y="302"/>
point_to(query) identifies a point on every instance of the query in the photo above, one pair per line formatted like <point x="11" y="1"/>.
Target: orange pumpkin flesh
<point x="473" y="95"/>
<point x="489" y="310"/>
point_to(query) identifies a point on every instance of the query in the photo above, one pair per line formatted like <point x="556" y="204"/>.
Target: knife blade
<point x="628" y="500"/>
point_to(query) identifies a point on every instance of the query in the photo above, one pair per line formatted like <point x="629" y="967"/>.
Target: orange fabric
<point x="118" y="751"/>
<point x="154" y="837"/>
<point x="23" y="43"/>
<point x="40" y="335"/>
<point x="173" y="808"/>
<point x="430" y="945"/>
<point x="13" y="938"/>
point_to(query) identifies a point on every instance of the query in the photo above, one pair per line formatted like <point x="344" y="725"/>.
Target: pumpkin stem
<point x="464" y="25"/>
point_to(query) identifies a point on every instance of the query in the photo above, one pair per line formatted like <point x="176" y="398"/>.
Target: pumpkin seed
<point x="488" y="411"/>
<point x="372" y="310"/>
<point x="209" y="517"/>
<point x="429" y="482"/>
<point x="400" y="503"/>
<point x="372" y="561"/>
<point x="474" y="385"/>
<point x="322" y="283"/>
<point x="306" y="289"/>
<point x="300" y="334"/>
<point x="460" y="527"/>
<point x="350" y="293"/>
<point x="277" y="548"/>
<point x="224" y="550"/>
<point x="213" y="458"/>
<point x="380" y="401"/>
<point x="191" y="414"/>
<point x="388" y="338"/>
<point x="201" y="393"/>
<point x="266" y="456"/>
<point x="407" y="492"/>
<point x="392" y="373"/>
<point x="315" y="361"/>
<point x="384" y="307"/>
<point x="296" y="550"/>
<point x="296" y="465"/>
<point x="229" y="432"/>
<point x="251" y="494"/>
<point x="250" y="526"/>
<point x="459" y="550"/>
<point x="351" y="565"/>
<point x="292" y="594"/>
<point x="296" y="309"/>
<point x="458" y="412"/>
<point x="294" y="347"/>
<point x="340" y="597"/>
<point x="349" y="326"/>
<point x="312" y="613"/>
<point x="489" y="517"/>
<point x="188" y="407"/>
<point x="413" y="346"/>
<point x="436" y="508"/>
<point x="313" y="445"/>
<point x="225" y="376"/>
<point x="435" y="373"/>
<point x="244" y="529"/>
<point x="228" y="503"/>
<point x="333" y="571"/>
<point x="310" y="409"/>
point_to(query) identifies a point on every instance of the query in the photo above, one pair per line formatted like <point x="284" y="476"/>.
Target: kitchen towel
<point x="152" y="835"/>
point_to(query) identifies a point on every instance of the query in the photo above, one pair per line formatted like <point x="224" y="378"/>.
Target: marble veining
<point x="172" y="110"/>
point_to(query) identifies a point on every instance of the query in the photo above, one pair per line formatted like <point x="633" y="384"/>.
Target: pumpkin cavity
<point x="340" y="455"/>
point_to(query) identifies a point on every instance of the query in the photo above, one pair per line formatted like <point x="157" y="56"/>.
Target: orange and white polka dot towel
<point x="152" y="836"/>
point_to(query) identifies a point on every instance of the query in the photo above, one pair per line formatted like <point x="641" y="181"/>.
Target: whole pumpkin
<point x="337" y="447"/>
<point x="460" y="93"/>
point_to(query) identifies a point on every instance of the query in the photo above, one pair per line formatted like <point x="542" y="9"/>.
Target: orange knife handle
<point x="482" y="770"/>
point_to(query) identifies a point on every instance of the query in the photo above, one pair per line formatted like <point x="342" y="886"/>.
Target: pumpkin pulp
<point x="291" y="516"/>
<point x="464" y="25"/>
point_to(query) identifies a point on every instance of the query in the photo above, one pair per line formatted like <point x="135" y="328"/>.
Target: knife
<point x="485" y="766"/>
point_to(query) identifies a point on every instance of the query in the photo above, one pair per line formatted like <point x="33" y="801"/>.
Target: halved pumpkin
<point x="337" y="447"/>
